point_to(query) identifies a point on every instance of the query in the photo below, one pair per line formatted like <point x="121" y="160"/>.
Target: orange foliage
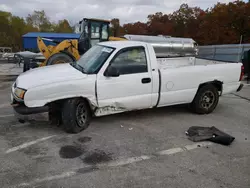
<point x="221" y="24"/>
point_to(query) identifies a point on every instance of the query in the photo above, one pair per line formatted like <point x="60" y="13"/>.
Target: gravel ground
<point x="137" y="149"/>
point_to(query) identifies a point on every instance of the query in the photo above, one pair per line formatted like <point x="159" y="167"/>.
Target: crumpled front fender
<point x="42" y="95"/>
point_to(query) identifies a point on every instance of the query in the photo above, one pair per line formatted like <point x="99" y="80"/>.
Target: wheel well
<point x="216" y="83"/>
<point x="59" y="103"/>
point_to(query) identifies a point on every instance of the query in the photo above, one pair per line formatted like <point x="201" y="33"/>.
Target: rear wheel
<point x="76" y="115"/>
<point x="59" y="58"/>
<point x="205" y="100"/>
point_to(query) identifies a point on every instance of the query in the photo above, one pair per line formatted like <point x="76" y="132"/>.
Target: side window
<point x="95" y="30"/>
<point x="105" y="32"/>
<point x="131" y="61"/>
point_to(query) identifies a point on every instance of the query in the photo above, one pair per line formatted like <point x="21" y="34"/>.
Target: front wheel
<point x="59" y="58"/>
<point x="76" y="115"/>
<point x="205" y="100"/>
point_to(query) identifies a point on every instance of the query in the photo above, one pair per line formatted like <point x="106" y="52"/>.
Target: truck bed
<point x="181" y="77"/>
<point x="175" y="62"/>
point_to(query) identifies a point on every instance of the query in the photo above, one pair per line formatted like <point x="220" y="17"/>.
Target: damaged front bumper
<point x="22" y="112"/>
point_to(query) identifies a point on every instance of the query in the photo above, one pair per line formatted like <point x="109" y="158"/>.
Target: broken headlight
<point x="19" y="93"/>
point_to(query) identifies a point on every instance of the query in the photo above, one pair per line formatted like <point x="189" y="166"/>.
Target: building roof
<point x="52" y="35"/>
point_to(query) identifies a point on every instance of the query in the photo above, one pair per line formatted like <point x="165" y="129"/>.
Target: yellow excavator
<point x="92" y="32"/>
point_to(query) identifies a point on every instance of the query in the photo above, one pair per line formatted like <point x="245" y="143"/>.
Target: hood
<point x="47" y="75"/>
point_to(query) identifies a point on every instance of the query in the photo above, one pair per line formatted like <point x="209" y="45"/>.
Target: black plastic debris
<point x="197" y="134"/>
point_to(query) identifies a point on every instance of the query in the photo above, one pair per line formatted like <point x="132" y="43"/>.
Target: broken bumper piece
<point x="240" y="87"/>
<point x="197" y="134"/>
<point x="24" y="113"/>
<point x="24" y="110"/>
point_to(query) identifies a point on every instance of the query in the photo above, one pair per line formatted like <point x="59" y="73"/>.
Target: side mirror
<point x="111" y="72"/>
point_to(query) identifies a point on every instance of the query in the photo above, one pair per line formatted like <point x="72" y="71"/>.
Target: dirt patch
<point x="35" y="150"/>
<point x="97" y="156"/>
<point x="60" y="140"/>
<point x="84" y="139"/>
<point x="4" y="86"/>
<point x="44" y="159"/>
<point x="8" y="78"/>
<point x="70" y="152"/>
<point x="87" y="170"/>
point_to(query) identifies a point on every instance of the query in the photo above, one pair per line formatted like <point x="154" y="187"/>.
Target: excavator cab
<point x="92" y="31"/>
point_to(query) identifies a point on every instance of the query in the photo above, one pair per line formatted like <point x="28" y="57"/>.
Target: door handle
<point x="145" y="80"/>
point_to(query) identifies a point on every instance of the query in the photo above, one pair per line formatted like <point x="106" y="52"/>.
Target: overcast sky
<point x="75" y="10"/>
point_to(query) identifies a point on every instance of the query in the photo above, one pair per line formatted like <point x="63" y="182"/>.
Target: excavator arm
<point x="45" y="50"/>
<point x="67" y="47"/>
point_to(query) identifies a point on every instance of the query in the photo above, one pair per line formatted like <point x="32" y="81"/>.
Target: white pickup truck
<point x="114" y="77"/>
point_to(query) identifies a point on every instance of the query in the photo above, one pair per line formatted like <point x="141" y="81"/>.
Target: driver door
<point x="131" y="89"/>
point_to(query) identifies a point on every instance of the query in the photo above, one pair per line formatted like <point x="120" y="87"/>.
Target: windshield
<point x="93" y="59"/>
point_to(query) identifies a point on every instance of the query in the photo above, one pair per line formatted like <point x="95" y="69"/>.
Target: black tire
<point x="59" y="58"/>
<point x="72" y="123"/>
<point x="55" y="114"/>
<point x="206" y="99"/>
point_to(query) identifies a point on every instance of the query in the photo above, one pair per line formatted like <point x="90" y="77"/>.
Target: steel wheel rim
<point x="81" y="115"/>
<point x="207" y="100"/>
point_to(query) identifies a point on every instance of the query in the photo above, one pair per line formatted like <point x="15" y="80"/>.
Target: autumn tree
<point x="186" y="20"/>
<point x="137" y="28"/>
<point x="63" y="26"/>
<point x="12" y="29"/>
<point x="159" y="24"/>
<point x="225" y="23"/>
<point x="115" y="27"/>
<point x="5" y="29"/>
<point x="18" y="26"/>
<point x="39" y="20"/>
